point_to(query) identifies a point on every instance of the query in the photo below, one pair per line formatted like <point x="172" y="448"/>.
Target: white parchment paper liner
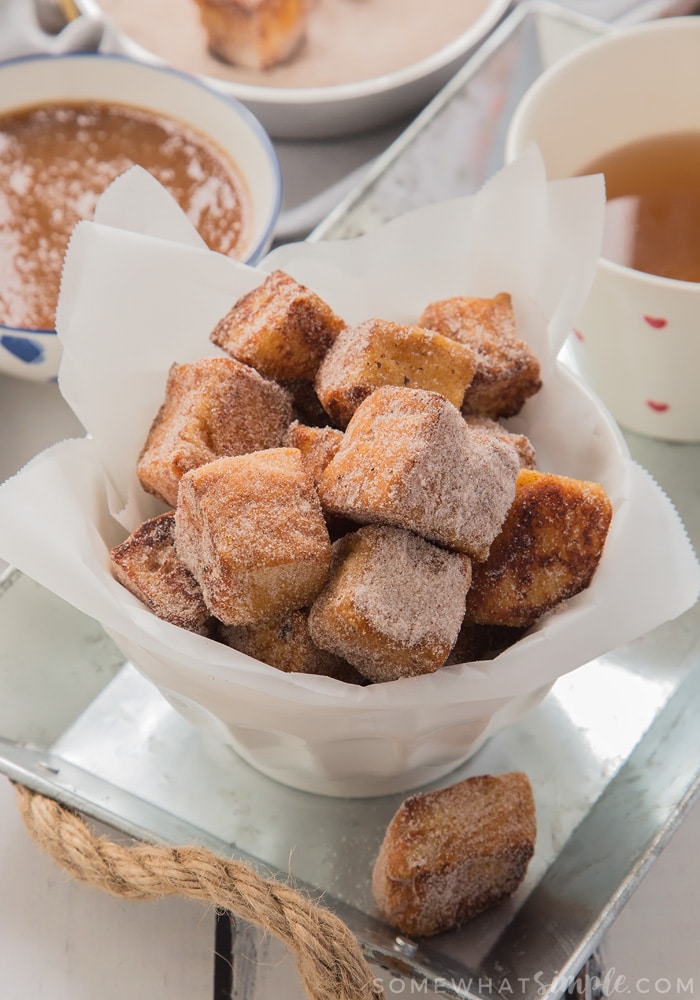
<point x="140" y="292"/>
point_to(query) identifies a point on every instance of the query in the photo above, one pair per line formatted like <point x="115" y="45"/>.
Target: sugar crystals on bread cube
<point x="522" y="444"/>
<point x="251" y="531"/>
<point x="409" y="459"/>
<point x="281" y="328"/>
<point x="147" y="564"/>
<point x="213" y="407"/>
<point x="393" y="604"/>
<point x="450" y="854"/>
<point x="548" y="550"/>
<point x="507" y="372"/>
<point x="317" y="445"/>
<point x="378" y="352"/>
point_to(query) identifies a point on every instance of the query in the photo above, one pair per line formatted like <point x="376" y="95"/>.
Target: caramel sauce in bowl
<point x="70" y="125"/>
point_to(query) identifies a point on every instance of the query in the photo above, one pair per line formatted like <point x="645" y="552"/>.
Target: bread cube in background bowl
<point x="157" y="301"/>
<point x="86" y="118"/>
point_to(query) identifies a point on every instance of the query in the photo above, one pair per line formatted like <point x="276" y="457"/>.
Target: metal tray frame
<point x="613" y="751"/>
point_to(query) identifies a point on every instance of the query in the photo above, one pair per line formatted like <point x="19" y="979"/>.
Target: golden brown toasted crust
<point x="147" y="564"/>
<point x="251" y="531"/>
<point x="409" y="459"/>
<point x="547" y="551"/>
<point x="212" y="407"/>
<point x="281" y="328"/>
<point x="450" y="854"/>
<point x="378" y="352"/>
<point x="285" y="643"/>
<point x="257" y="34"/>
<point x="507" y="372"/>
<point x="393" y="603"/>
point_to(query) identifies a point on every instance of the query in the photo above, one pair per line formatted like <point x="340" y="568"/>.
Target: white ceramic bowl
<point x="36" y="80"/>
<point x="305" y="110"/>
<point x="62" y="513"/>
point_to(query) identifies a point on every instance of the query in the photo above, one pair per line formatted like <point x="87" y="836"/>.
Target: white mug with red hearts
<point x="637" y="340"/>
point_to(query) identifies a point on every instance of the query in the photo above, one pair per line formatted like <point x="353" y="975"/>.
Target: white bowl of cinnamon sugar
<point x="334" y="533"/>
<point x="68" y="126"/>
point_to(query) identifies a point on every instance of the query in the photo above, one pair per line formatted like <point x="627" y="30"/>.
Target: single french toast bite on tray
<point x="450" y="854"/>
<point x="408" y="458"/>
<point x="251" y="531"/>
<point x="256" y="34"/>
<point x="507" y="372"/>
<point x="548" y="550"/>
<point x="147" y="564"/>
<point x="213" y="407"/>
<point x="281" y="328"/>
<point x="378" y="352"/>
<point x="393" y="604"/>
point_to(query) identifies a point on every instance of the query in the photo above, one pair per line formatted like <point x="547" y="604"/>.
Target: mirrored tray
<point x="613" y="752"/>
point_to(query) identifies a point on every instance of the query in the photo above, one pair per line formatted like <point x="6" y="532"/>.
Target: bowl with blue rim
<point x="69" y="124"/>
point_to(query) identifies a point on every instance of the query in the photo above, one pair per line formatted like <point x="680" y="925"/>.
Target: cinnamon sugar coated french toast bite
<point x="507" y="372"/>
<point x="147" y="564"/>
<point x="257" y="34"/>
<point x="347" y="500"/>
<point x="251" y="531"/>
<point x="377" y="352"/>
<point x="546" y="552"/>
<point x="281" y="328"/>
<point x="450" y="854"/>
<point x="393" y="604"/>
<point x="409" y="459"/>
<point x="213" y="407"/>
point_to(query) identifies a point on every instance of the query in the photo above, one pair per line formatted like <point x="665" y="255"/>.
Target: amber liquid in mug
<point x="652" y="212"/>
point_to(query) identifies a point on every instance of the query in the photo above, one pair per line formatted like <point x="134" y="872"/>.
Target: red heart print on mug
<point x="657" y="322"/>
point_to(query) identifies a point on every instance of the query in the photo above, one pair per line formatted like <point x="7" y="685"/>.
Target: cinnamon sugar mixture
<point x="56" y="160"/>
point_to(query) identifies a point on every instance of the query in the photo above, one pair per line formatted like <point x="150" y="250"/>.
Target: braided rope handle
<point x="329" y="959"/>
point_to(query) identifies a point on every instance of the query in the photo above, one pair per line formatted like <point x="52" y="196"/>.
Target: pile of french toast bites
<point x="344" y="500"/>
